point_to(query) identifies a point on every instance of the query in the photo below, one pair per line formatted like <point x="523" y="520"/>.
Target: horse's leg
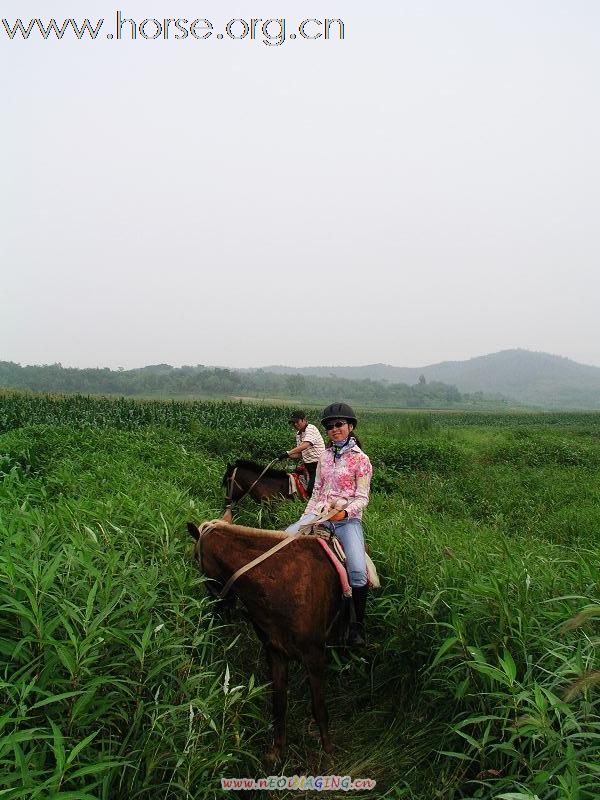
<point x="279" y="676"/>
<point x="314" y="662"/>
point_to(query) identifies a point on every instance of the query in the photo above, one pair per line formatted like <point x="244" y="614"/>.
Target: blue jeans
<point x="350" y="533"/>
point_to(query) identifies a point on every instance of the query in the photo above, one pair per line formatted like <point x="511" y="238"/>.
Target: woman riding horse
<point x="343" y="482"/>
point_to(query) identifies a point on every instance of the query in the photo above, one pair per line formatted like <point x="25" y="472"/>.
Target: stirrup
<point x="356" y="635"/>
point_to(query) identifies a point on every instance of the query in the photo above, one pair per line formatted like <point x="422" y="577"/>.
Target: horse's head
<point x="249" y="478"/>
<point x="233" y="490"/>
<point x="228" y="473"/>
<point x="197" y="533"/>
<point x="202" y="557"/>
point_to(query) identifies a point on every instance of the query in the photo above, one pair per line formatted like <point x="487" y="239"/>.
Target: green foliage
<point x="203" y="381"/>
<point x="114" y="679"/>
<point x="509" y="670"/>
<point x="530" y="449"/>
<point x="126" y="414"/>
<point x="417" y="455"/>
<point x="117" y="680"/>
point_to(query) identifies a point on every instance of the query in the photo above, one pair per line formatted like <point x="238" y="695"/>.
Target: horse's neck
<point x="249" y="475"/>
<point x="268" y="483"/>
<point x="233" y="546"/>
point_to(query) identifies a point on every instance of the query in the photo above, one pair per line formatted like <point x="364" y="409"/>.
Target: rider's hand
<point x="339" y="516"/>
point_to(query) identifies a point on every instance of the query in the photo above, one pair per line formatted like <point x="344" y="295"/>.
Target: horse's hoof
<point x="328" y="746"/>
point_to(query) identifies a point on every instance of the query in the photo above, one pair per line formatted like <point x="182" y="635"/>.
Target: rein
<point x="207" y="527"/>
<point x="238" y="573"/>
<point x="308" y="529"/>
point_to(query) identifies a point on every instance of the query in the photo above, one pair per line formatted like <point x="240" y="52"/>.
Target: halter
<point x="231" y="482"/>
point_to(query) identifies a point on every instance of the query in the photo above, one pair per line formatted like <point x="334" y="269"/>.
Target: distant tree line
<point x="164" y="380"/>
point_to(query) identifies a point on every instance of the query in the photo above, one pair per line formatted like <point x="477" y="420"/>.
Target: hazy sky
<point x="426" y="189"/>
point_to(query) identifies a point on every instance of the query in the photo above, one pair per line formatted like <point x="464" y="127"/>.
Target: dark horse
<point x="293" y="599"/>
<point x="247" y="477"/>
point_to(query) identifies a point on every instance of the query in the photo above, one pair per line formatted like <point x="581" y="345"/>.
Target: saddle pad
<point x="297" y="485"/>
<point x="335" y="551"/>
<point x="372" y="576"/>
<point x="342" y="574"/>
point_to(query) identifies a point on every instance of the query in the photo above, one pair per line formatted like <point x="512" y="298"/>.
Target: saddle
<point x="299" y="482"/>
<point x="335" y="552"/>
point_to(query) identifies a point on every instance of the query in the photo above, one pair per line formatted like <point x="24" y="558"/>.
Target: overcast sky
<point x="426" y="189"/>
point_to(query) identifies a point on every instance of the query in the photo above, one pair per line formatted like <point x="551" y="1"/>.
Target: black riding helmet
<point x="339" y="411"/>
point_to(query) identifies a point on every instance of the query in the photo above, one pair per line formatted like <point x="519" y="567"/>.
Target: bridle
<point x="231" y="483"/>
<point x="204" y="530"/>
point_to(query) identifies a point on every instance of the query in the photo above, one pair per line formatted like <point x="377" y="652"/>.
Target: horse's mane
<point x="273" y="473"/>
<point x="242" y="530"/>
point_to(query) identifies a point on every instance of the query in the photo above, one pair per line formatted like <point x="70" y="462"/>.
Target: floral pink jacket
<point x="348" y="479"/>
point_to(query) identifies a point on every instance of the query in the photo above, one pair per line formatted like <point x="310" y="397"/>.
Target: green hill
<point x="528" y="377"/>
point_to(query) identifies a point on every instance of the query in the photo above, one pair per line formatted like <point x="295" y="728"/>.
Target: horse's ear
<point x="227" y="515"/>
<point x="193" y="531"/>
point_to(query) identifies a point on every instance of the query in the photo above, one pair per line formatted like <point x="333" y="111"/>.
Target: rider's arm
<point x="295" y="452"/>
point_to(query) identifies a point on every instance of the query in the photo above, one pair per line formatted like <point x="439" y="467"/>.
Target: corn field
<point x="118" y="678"/>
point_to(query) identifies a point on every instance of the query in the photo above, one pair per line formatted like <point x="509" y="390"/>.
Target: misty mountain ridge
<point x="532" y="378"/>
<point x="504" y="379"/>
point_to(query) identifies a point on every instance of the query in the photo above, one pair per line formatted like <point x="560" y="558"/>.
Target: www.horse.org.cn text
<point x="272" y="32"/>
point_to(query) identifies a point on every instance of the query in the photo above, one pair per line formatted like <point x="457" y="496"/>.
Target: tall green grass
<point x="117" y="680"/>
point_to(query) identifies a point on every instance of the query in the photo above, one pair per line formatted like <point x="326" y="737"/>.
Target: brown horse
<point x="293" y="599"/>
<point x="247" y="477"/>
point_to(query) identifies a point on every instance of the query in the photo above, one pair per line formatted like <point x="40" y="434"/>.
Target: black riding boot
<point x="356" y="636"/>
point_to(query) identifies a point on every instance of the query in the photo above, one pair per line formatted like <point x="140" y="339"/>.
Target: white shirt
<point x="317" y="448"/>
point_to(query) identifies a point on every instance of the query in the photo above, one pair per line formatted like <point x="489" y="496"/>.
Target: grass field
<point x="481" y="678"/>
